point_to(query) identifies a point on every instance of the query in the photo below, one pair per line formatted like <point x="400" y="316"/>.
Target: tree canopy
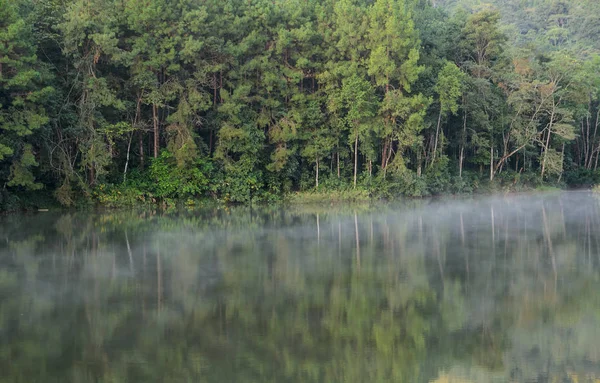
<point x="237" y="100"/>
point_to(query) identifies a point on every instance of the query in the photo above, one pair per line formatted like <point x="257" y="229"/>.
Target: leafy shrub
<point x="437" y="177"/>
<point x="464" y="184"/>
<point x="238" y="186"/>
<point x="164" y="181"/>
<point x="173" y="181"/>
<point x="8" y="201"/>
<point x="405" y="183"/>
<point x="119" y="195"/>
<point x="582" y="177"/>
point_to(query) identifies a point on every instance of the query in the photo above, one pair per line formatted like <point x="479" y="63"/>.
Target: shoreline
<point x="303" y="198"/>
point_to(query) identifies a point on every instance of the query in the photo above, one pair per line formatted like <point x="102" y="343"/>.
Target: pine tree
<point x="23" y="98"/>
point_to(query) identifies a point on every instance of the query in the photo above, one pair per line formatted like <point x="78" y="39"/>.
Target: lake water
<point x="502" y="289"/>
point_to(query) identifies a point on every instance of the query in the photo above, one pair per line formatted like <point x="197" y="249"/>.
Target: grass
<point x="548" y="188"/>
<point x="329" y="196"/>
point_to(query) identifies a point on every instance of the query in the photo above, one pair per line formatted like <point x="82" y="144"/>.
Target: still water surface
<point x="503" y="289"/>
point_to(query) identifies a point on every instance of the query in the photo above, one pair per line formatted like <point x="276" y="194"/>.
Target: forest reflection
<point x="479" y="290"/>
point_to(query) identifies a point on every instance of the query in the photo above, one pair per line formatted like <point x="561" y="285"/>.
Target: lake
<point x="494" y="289"/>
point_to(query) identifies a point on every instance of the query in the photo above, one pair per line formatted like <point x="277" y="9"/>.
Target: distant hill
<point x="549" y="24"/>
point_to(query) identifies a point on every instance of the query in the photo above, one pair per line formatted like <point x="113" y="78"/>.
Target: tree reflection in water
<point x="479" y="290"/>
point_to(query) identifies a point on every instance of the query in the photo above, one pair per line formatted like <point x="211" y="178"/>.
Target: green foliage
<point x="165" y="181"/>
<point x="254" y="100"/>
<point x="238" y="186"/>
<point x="449" y="87"/>
<point x="20" y="173"/>
<point x="174" y="181"/>
<point x="331" y="195"/>
<point x="437" y="177"/>
<point x="23" y="97"/>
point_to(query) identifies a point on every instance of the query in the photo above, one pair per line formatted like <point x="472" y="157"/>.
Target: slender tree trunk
<point x="463" y="140"/>
<point x="156" y="132"/>
<point x="437" y="136"/>
<point x="548" y="141"/>
<point x="355" y="158"/>
<point x="585" y="138"/>
<point x="127" y="158"/>
<point x="589" y="145"/>
<point x="135" y="125"/>
<point x="389" y="153"/>
<point x="505" y="141"/>
<point x="338" y="163"/>
<point x="595" y="134"/>
<point x="460" y="161"/>
<point x="492" y="161"/>
<point x="384" y="153"/>
<point x="563" y="160"/>
<point x="92" y="175"/>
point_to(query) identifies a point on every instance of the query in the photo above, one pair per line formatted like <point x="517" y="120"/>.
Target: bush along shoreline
<point x="166" y="188"/>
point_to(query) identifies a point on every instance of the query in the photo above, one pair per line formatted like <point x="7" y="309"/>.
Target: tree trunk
<point x="547" y="142"/>
<point x="460" y="161"/>
<point x="463" y="140"/>
<point x="156" y="133"/>
<point x="595" y="134"/>
<point x="338" y="163"/>
<point x="92" y="174"/>
<point x="585" y="137"/>
<point x="492" y="161"/>
<point x="563" y="160"/>
<point x="389" y="153"/>
<point x="437" y="136"/>
<point x="355" y="158"/>
<point x="384" y="153"/>
<point x="127" y="158"/>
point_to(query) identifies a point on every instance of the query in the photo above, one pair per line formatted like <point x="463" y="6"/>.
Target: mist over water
<point x="500" y="289"/>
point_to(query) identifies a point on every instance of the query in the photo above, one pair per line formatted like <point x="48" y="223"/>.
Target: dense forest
<point x="130" y="101"/>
